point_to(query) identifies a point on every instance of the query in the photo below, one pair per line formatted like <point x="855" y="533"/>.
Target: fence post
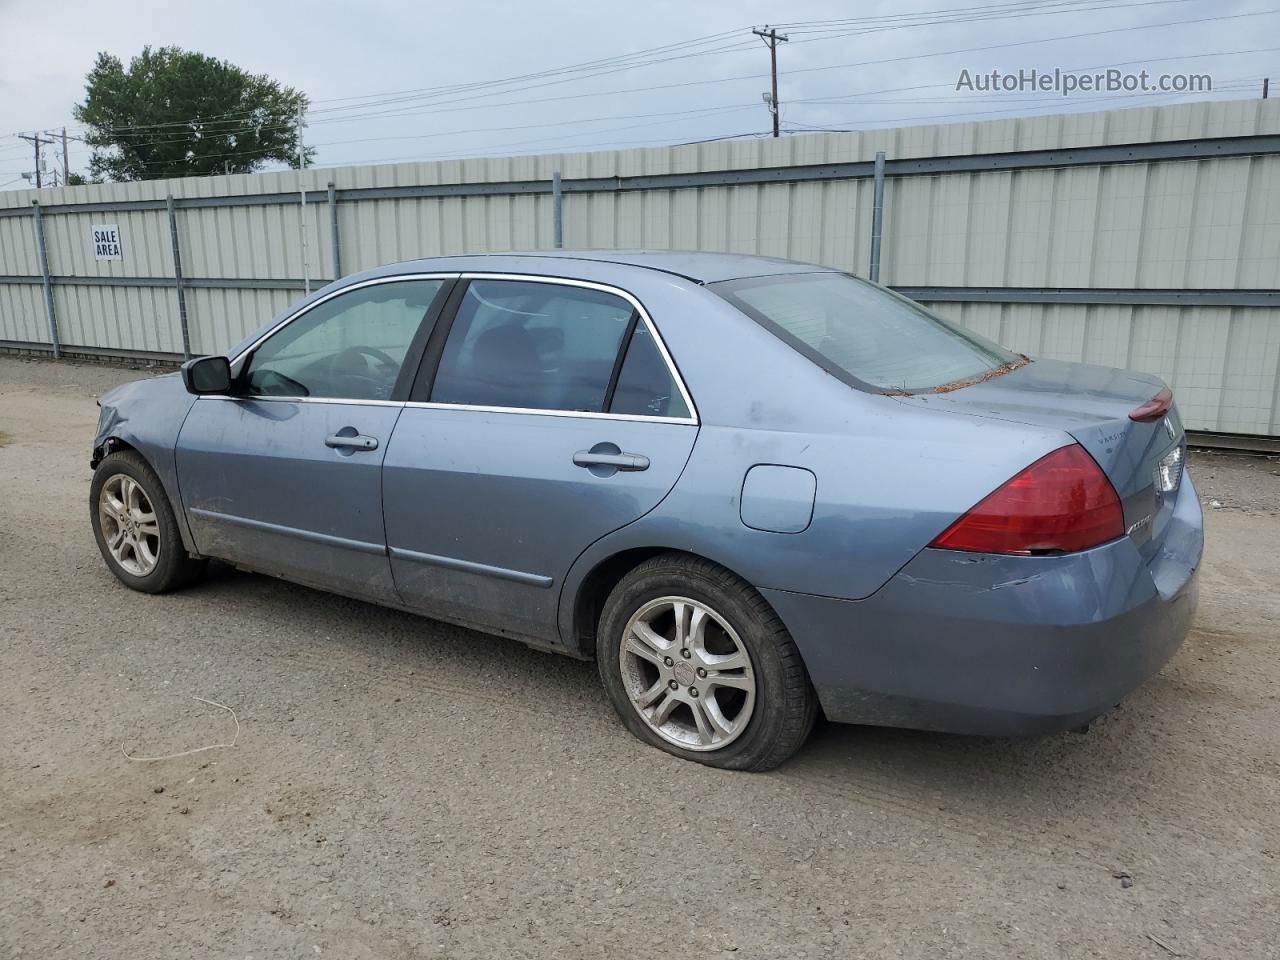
<point x="557" y="219"/>
<point x="177" y="275"/>
<point x="48" y="286"/>
<point x="333" y="231"/>
<point x="877" y="217"/>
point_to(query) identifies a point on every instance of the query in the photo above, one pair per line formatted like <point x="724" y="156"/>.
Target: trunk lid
<point x="1092" y="404"/>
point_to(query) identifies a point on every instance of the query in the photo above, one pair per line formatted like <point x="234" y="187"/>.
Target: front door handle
<point x="608" y="458"/>
<point x="355" y="441"/>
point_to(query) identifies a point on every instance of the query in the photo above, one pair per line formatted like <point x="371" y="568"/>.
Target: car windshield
<point x="864" y="334"/>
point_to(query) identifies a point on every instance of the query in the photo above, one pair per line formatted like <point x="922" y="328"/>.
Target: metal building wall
<point x="1162" y="261"/>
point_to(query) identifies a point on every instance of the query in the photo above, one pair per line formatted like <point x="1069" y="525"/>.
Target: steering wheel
<point x="371" y="387"/>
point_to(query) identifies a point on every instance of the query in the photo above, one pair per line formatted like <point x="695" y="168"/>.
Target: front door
<point x="553" y="418"/>
<point x="284" y="476"/>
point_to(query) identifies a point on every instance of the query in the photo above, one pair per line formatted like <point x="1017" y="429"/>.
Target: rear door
<point x="285" y="475"/>
<point x="547" y="415"/>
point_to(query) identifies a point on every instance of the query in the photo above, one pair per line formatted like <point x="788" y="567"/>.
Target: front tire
<point x="135" y="527"/>
<point x="698" y="664"/>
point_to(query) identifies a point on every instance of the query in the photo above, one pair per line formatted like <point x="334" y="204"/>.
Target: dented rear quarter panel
<point x="889" y="476"/>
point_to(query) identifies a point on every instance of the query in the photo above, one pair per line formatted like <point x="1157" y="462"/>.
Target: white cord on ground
<point x="187" y="753"/>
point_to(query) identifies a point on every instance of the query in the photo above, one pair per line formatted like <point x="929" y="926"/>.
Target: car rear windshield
<point x="864" y="334"/>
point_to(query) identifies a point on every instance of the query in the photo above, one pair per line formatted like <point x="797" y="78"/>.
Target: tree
<point x="175" y="113"/>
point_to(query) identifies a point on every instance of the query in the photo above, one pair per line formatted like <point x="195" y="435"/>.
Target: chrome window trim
<point x="536" y="411"/>
<point x="672" y="369"/>
<point x="273" y="399"/>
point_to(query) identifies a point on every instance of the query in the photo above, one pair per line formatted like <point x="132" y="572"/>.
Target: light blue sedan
<point x="751" y="489"/>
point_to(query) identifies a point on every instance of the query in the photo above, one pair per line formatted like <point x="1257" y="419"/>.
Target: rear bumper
<point x="972" y="643"/>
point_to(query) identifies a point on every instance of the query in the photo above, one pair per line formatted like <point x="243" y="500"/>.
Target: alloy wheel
<point x="687" y="673"/>
<point x="129" y="525"/>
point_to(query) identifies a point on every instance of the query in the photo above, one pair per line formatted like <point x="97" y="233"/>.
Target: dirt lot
<point x="405" y="789"/>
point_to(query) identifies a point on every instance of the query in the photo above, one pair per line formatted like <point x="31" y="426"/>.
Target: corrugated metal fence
<point x="1146" y="238"/>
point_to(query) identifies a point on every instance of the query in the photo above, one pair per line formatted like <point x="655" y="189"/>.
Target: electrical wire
<point x="668" y="117"/>
<point x="445" y="90"/>
<point x="878" y="122"/>
<point x="633" y="60"/>
<point x="1073" y="70"/>
<point x="1086" y="4"/>
<point x="1016" y="5"/>
<point x="400" y="112"/>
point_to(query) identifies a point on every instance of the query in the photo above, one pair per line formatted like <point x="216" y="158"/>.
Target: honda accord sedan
<point x="751" y="489"/>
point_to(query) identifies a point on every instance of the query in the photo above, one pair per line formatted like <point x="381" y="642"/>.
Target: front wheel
<point x="135" y="527"/>
<point x="698" y="664"/>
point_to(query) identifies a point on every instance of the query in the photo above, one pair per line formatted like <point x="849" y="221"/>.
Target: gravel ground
<point x="400" y="788"/>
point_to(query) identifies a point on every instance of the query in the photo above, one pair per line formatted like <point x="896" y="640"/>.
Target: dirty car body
<point x="478" y="473"/>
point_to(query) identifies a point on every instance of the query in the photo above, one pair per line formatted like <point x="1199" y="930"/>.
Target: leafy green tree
<point x="175" y="113"/>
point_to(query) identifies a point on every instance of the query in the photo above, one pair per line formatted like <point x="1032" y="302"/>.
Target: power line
<point x="604" y="119"/>
<point x="794" y="127"/>
<point x="664" y="117"/>
<point x="1076" y="70"/>
<point x="978" y="15"/>
<point x="667" y="117"/>
<point x="402" y="112"/>
<point x="1016" y="5"/>
<point x="630" y="90"/>
<point x="1076" y="4"/>
<point x="446" y="90"/>
<point x="633" y="60"/>
<point x="880" y="121"/>
<point x="585" y="148"/>
<point x="399" y="110"/>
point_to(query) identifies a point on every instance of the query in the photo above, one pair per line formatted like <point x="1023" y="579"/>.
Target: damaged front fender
<point x="146" y="416"/>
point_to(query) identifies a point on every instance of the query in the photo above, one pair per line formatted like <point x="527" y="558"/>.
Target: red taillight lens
<point x="1155" y="408"/>
<point x="1061" y="503"/>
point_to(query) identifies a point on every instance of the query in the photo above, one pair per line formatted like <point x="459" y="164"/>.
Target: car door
<point x="284" y="476"/>
<point x="548" y="414"/>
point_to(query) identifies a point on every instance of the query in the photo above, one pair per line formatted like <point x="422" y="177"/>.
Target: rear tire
<point x="135" y="526"/>
<point x="698" y="664"/>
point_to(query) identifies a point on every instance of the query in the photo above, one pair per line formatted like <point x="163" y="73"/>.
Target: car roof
<point x="692" y="265"/>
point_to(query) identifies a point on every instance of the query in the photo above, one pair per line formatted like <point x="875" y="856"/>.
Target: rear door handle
<point x="619" y="461"/>
<point x="356" y="442"/>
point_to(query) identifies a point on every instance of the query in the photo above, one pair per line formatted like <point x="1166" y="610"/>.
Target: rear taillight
<point x="1061" y="503"/>
<point x="1153" y="409"/>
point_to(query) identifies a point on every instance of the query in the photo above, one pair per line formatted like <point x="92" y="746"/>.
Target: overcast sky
<point x="379" y="49"/>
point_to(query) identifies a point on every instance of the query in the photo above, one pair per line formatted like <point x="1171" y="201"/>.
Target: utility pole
<point x="772" y="38"/>
<point x="37" y="141"/>
<point x="1266" y="87"/>
<point x="66" y="164"/>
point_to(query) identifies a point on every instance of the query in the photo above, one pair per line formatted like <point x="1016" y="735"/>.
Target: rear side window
<point x="862" y="333"/>
<point x="542" y="346"/>
<point x="645" y="385"/>
<point x="551" y="346"/>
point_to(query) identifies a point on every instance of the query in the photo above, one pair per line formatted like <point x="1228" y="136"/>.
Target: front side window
<point x="865" y="334"/>
<point x="350" y="347"/>
<point x="541" y="346"/>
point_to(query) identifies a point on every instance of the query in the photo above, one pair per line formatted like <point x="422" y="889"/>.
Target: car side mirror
<point x="207" y="375"/>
